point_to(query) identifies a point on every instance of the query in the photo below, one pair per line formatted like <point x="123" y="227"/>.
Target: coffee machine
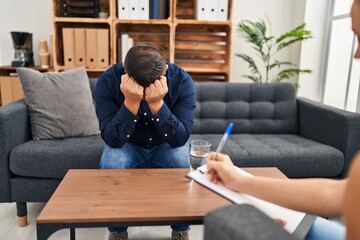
<point x="24" y="55"/>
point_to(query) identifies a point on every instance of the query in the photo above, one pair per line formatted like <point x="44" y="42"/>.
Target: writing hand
<point x="155" y="93"/>
<point x="222" y="169"/>
<point x="133" y="93"/>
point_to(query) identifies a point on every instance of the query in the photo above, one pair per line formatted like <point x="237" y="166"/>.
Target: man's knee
<point x="116" y="158"/>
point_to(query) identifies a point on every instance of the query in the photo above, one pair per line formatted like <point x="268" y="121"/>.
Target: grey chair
<point x="242" y="222"/>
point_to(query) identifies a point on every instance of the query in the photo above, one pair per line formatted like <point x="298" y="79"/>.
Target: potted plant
<point x="266" y="47"/>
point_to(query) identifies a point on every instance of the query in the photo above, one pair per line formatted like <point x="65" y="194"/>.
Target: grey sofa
<point x="274" y="128"/>
<point x="271" y="128"/>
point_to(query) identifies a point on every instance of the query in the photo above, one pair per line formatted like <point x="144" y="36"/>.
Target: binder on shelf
<point x="162" y="9"/>
<point x="143" y="8"/>
<point x="118" y="49"/>
<point x="212" y="10"/>
<point x="124" y="46"/>
<point x="68" y="46"/>
<point x="154" y="9"/>
<point x="126" y="43"/>
<point x="130" y="43"/>
<point x="223" y="6"/>
<point x="133" y="9"/>
<point x="91" y="48"/>
<point x="103" y="47"/>
<point x="80" y="46"/>
<point x="123" y="9"/>
<point x="201" y="9"/>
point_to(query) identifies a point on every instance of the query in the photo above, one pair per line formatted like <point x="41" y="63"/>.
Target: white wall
<point x="32" y="16"/>
<point x="312" y="51"/>
<point x="284" y="15"/>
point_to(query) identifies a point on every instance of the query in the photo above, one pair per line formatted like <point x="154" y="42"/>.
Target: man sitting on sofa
<point x="146" y="110"/>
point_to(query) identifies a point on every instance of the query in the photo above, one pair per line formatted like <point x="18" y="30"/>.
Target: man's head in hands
<point x="145" y="64"/>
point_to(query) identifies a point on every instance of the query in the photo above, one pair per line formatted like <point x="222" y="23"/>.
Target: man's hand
<point x="133" y="93"/>
<point x="155" y="93"/>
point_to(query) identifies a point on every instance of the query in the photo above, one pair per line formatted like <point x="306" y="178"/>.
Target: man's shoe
<point x="118" y="236"/>
<point x="180" y="235"/>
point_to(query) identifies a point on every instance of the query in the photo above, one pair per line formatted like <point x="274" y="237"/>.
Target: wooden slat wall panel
<point x="198" y="55"/>
<point x="201" y="65"/>
<point x="143" y="34"/>
<point x="185" y="9"/>
<point x="204" y="77"/>
<point x="202" y="47"/>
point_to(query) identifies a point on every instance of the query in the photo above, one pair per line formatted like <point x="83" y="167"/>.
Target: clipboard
<point x="297" y="223"/>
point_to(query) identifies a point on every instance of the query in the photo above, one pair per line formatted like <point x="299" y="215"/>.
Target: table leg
<point x="72" y="233"/>
<point x="44" y="231"/>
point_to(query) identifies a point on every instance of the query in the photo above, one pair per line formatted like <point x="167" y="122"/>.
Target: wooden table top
<point x="133" y="195"/>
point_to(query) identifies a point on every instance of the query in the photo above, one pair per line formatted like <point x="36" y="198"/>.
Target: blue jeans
<point x="133" y="156"/>
<point x="326" y="230"/>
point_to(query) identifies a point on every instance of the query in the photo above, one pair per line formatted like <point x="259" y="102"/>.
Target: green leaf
<point x="278" y="64"/>
<point x="289" y="73"/>
<point x="295" y="33"/>
<point x="252" y="65"/>
<point x="253" y="78"/>
<point x="285" y="44"/>
<point x="254" y="32"/>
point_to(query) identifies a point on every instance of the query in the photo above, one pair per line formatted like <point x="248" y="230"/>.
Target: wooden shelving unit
<point x="202" y="48"/>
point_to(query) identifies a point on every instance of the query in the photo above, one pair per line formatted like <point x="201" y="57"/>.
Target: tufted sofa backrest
<point x="254" y="108"/>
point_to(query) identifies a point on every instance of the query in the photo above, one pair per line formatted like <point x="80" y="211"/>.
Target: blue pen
<point x="224" y="139"/>
<point x="221" y="144"/>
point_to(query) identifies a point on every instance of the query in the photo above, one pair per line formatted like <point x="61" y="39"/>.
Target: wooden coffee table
<point x="130" y="197"/>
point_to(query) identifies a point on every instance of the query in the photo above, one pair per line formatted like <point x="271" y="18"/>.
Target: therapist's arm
<point x="315" y="196"/>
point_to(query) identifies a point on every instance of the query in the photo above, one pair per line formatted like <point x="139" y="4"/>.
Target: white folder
<point x="103" y="47"/>
<point x="143" y="9"/>
<point x="123" y="9"/>
<point x="201" y="10"/>
<point x="124" y="46"/>
<point x="212" y="10"/>
<point x="133" y="9"/>
<point x="222" y="10"/>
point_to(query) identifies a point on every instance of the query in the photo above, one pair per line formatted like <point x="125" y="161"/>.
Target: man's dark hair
<point x="145" y="64"/>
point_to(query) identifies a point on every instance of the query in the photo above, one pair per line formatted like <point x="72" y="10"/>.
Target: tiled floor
<point x="10" y="231"/>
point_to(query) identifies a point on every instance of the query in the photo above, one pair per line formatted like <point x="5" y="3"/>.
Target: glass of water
<point x="198" y="150"/>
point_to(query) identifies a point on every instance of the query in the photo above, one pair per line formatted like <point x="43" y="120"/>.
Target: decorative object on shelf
<point x="24" y="55"/>
<point x="104" y="11"/>
<point x="79" y="8"/>
<point x="267" y="47"/>
<point x="44" y="54"/>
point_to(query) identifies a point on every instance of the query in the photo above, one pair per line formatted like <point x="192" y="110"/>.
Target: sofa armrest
<point x="14" y="130"/>
<point x="242" y="222"/>
<point x="330" y="126"/>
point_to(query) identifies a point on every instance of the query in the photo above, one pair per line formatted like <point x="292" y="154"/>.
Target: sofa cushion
<point x="254" y="108"/>
<point x="293" y="155"/>
<point x="60" y="103"/>
<point x="53" y="158"/>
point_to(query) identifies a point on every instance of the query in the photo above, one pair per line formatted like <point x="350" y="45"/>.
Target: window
<point x="341" y="72"/>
